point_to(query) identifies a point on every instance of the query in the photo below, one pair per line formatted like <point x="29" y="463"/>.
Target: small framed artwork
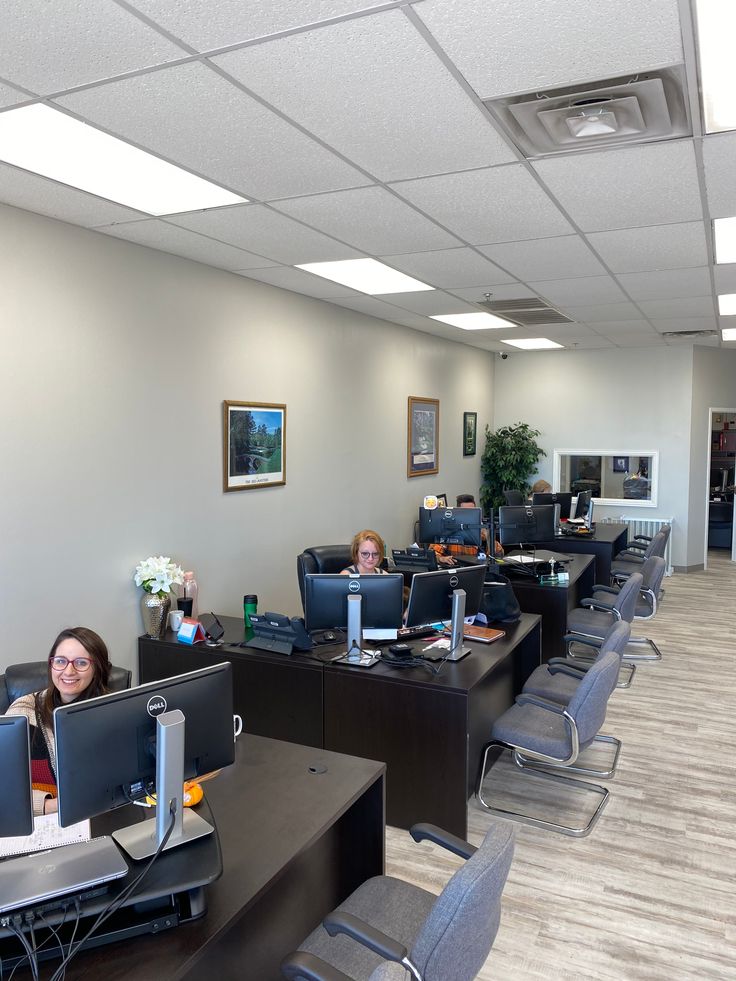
<point x="423" y="437"/>
<point x="442" y="500"/>
<point x="254" y="445"/>
<point x="470" y="427"/>
<point x="620" y="464"/>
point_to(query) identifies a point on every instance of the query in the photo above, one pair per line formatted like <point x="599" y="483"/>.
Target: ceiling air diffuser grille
<point x="689" y="334"/>
<point x="527" y="312"/>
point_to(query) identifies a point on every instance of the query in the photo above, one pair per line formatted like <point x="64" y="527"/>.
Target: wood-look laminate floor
<point x="651" y="893"/>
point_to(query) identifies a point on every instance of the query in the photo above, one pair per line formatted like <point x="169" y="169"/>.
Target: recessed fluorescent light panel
<point x="727" y="304"/>
<point x="724" y="234"/>
<point x="366" y="275"/>
<point x="473" y="321"/>
<point x="50" y="143"/>
<point x="729" y="334"/>
<point x="533" y="343"/>
<point x="716" y="31"/>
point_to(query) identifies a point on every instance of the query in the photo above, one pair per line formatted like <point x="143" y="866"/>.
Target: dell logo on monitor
<point x="454" y="581"/>
<point x="156" y="705"/>
<point x="354" y="586"/>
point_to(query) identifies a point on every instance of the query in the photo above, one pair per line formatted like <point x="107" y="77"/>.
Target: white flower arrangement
<point x="158" y="574"/>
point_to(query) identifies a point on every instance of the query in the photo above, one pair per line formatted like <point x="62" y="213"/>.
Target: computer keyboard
<point x="415" y="633"/>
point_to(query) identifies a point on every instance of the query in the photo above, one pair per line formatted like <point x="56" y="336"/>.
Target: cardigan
<point x="43" y="750"/>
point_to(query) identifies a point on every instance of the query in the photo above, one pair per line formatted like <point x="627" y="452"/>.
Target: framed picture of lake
<point x="254" y="445"/>
<point x="470" y="427"/>
<point x="423" y="437"/>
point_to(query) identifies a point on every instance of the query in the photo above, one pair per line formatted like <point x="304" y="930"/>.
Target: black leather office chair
<point x="514" y="498"/>
<point x="321" y="558"/>
<point x="20" y="679"/>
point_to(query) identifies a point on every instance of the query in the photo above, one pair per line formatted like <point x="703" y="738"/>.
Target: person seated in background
<point x="542" y="487"/>
<point x="79" y="668"/>
<point x="446" y="554"/>
<point x="367" y="551"/>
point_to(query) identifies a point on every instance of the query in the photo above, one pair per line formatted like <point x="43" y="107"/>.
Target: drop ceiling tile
<point x="374" y="103"/>
<point x="603" y="311"/>
<point x="719" y="157"/>
<point x="370" y="218"/>
<point x="191" y="115"/>
<point x="611" y="327"/>
<point x="694" y="306"/>
<point x="510" y="291"/>
<point x="563" y="41"/>
<point x="655" y="247"/>
<point x="725" y="278"/>
<point x="636" y="340"/>
<point x="626" y="187"/>
<point x="206" y="25"/>
<point x="429" y="303"/>
<point x="45" y="197"/>
<point x="592" y="343"/>
<point x="10" y="96"/>
<point x="298" y="281"/>
<point x="385" y="311"/>
<point x="548" y="258"/>
<point x="178" y="241"/>
<point x="258" y="229"/>
<point x="694" y="341"/>
<point x="564" y="333"/>
<point x="498" y="204"/>
<point x="449" y="268"/>
<point x="667" y="283"/>
<point x="685" y="323"/>
<point x="48" y="47"/>
<point x="580" y="292"/>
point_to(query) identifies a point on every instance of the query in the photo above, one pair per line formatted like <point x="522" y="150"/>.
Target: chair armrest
<point x="582" y="639"/>
<point x="528" y="699"/>
<point x="637" y="543"/>
<point x="642" y="538"/>
<point x="372" y="938"/>
<point x="596" y="604"/>
<point x="430" y="832"/>
<point x="300" y="964"/>
<point x="560" y="665"/>
<point x="629" y="556"/>
<point x="598" y="588"/>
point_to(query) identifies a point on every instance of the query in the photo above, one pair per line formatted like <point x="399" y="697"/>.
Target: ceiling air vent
<point x="526" y="312"/>
<point x="631" y="109"/>
<point x="688" y="334"/>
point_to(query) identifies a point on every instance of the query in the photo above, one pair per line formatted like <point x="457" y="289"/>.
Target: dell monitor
<point x="451" y="526"/>
<point x="448" y="594"/>
<point x="16" y="813"/>
<point x="583" y="504"/>
<point x="563" y="498"/>
<point x="353" y="603"/>
<point x="526" y="525"/>
<point x="128" y="744"/>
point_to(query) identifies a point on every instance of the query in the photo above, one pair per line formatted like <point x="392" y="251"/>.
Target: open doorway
<point x="719" y="517"/>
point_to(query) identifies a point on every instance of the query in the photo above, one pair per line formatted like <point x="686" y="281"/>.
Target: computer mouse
<point x="330" y="636"/>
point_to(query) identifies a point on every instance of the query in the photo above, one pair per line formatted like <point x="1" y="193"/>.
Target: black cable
<point x="15" y="929"/>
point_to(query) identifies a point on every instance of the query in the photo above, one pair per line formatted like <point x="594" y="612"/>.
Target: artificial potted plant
<point x="509" y="459"/>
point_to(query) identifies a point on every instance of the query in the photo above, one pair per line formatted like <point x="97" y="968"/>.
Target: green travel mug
<point x="250" y="605"/>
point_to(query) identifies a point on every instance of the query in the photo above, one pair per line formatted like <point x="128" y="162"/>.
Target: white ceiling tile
<point x="510" y="291"/>
<point x="667" y="283"/>
<point x="725" y="278"/>
<point x="548" y="258"/>
<point x="298" y="281"/>
<point x="33" y="193"/>
<point x="592" y="343"/>
<point x="580" y="292"/>
<point x="652" y="339"/>
<point x="719" y="159"/>
<point x="430" y="303"/>
<point x="498" y="204"/>
<point x="611" y="327"/>
<point x="685" y="323"/>
<point x="602" y="311"/>
<point x="10" y="96"/>
<point x="372" y="104"/>
<point x="370" y="218"/>
<point x="385" y="311"/>
<point x="694" y="306"/>
<point x="655" y="247"/>
<point x="626" y="187"/>
<point x="178" y="241"/>
<point x="512" y="46"/>
<point x="191" y="115"/>
<point x="206" y="25"/>
<point x="695" y="341"/>
<point x="48" y="47"/>
<point x="564" y="333"/>
<point x="259" y="229"/>
<point x="449" y="268"/>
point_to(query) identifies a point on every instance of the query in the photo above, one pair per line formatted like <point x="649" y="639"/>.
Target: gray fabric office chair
<point x="638" y="550"/>
<point x="514" y="498"/>
<point x="647" y="603"/>
<point x="543" y="734"/>
<point x="390" y="930"/>
<point x="593" y="617"/>
<point x="20" y="679"/>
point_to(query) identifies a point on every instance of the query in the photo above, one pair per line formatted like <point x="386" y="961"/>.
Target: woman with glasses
<point x="79" y="668"/>
<point x="367" y="553"/>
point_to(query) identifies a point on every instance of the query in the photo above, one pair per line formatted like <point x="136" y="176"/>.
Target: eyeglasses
<point x="59" y="663"/>
<point x="369" y="555"/>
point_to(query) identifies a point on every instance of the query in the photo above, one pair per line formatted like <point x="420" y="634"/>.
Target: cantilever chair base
<point x="656" y="654"/>
<point x="578" y="832"/>
<point x="528" y="762"/>
<point x="623" y="682"/>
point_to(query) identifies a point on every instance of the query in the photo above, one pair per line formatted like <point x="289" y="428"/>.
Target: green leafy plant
<point x="510" y="457"/>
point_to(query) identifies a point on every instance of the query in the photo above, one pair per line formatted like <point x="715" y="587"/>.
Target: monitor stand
<point x="457" y="650"/>
<point x="355" y="655"/>
<point x="142" y="840"/>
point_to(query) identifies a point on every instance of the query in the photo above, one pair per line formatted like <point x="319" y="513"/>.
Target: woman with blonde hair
<point x="367" y="551"/>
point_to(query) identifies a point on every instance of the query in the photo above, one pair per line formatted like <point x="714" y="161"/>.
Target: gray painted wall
<point x="115" y="363"/>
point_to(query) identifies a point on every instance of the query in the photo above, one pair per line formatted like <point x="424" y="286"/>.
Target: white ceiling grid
<point x="356" y="128"/>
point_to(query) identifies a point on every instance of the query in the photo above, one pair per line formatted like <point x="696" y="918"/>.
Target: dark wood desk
<point x="295" y="843"/>
<point x="605" y="543"/>
<point x="428" y="729"/>
<point x="553" y="601"/>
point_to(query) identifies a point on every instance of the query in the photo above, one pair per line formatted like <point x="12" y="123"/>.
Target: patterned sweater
<point x="43" y="750"/>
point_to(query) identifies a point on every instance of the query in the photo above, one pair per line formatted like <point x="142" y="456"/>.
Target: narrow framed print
<point x="470" y="433"/>
<point x="254" y="445"/>
<point x="423" y="437"/>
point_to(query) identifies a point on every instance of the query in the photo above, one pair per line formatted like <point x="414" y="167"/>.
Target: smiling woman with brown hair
<point x="367" y="551"/>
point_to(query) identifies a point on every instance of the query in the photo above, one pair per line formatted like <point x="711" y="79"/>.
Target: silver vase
<point x="155" y="610"/>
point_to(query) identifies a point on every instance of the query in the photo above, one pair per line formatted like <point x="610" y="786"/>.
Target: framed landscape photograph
<point x="254" y="445"/>
<point x="423" y="437"/>
<point x="470" y="432"/>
